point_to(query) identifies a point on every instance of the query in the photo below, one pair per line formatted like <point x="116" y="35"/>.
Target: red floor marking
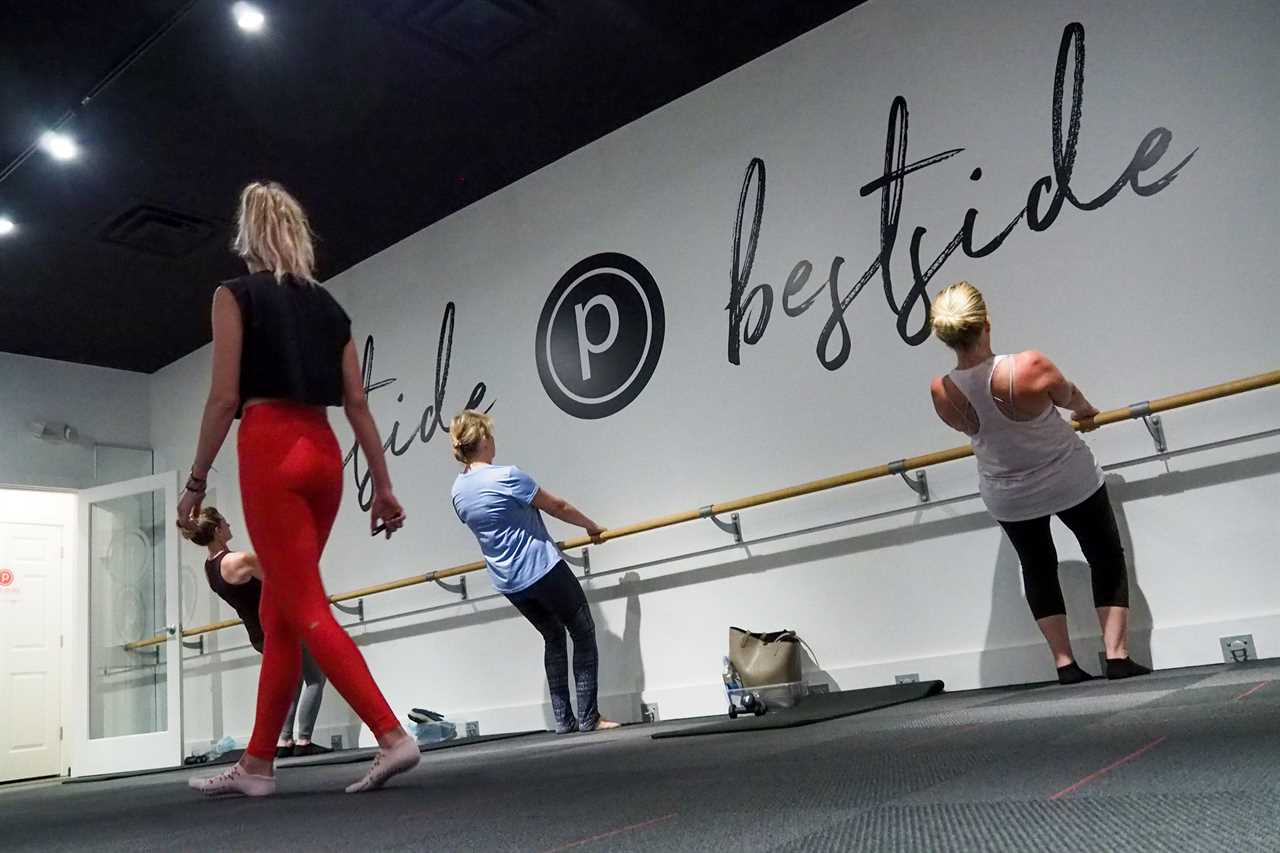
<point x="1251" y="691"/>
<point x="1097" y="773"/>
<point x="613" y="832"/>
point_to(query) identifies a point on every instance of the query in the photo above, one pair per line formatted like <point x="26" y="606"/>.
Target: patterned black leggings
<point x="553" y="604"/>
<point x="1094" y="524"/>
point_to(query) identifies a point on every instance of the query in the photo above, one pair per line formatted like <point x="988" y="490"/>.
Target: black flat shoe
<point x="284" y="752"/>
<point x="1124" y="668"/>
<point x="309" y="749"/>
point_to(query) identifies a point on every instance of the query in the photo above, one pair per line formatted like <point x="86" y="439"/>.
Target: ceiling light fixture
<point x="59" y="146"/>
<point x="248" y="17"/>
<point x="6" y="226"/>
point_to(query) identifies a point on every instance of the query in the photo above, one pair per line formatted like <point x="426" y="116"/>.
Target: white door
<point x="30" y="677"/>
<point x="128" y="698"/>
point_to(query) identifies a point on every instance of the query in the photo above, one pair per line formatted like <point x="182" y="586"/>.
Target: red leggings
<point x="291" y="485"/>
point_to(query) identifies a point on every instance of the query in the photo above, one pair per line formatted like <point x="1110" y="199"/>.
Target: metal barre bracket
<point x="918" y="483"/>
<point x="356" y="609"/>
<point x="583" y="562"/>
<point x="197" y="644"/>
<point x="733" y="526"/>
<point x="1155" y="427"/>
<point x="459" y="588"/>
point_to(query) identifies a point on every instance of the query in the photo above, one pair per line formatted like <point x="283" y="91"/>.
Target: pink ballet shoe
<point x="235" y="782"/>
<point x="402" y="757"/>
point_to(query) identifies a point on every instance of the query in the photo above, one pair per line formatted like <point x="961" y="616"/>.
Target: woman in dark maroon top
<point x="282" y="352"/>
<point x="236" y="578"/>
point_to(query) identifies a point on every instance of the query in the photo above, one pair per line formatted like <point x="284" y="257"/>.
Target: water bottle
<point x="222" y="747"/>
<point x="730" y="676"/>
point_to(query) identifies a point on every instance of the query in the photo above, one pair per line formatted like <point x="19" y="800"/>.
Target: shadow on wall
<point x="748" y="564"/>
<point x="621" y="679"/>
<point x="812" y="673"/>
<point x="1013" y="646"/>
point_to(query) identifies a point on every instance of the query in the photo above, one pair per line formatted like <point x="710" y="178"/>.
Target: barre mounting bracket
<point x="197" y="644"/>
<point x="1155" y="428"/>
<point x="584" y="561"/>
<point x="459" y="588"/>
<point x="733" y="526"/>
<point x="918" y="482"/>
<point x="356" y="609"/>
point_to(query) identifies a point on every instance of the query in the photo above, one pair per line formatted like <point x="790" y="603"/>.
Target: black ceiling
<point x="383" y="116"/>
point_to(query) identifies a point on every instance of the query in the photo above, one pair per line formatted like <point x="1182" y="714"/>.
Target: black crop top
<point x="244" y="598"/>
<point x="294" y="335"/>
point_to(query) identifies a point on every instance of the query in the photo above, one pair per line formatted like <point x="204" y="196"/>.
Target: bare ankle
<point x="257" y="766"/>
<point x="388" y="740"/>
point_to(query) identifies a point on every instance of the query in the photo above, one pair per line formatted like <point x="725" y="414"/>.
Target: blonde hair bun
<point x="959" y="314"/>
<point x="466" y="431"/>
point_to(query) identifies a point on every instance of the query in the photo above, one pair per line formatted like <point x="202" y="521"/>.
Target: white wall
<point x="104" y="406"/>
<point x="1143" y="297"/>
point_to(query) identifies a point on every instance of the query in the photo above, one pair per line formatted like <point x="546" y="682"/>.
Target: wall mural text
<point x="1039" y="216"/>
<point x="432" y="419"/>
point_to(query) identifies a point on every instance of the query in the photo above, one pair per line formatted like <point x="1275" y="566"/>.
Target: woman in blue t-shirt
<point x="501" y="503"/>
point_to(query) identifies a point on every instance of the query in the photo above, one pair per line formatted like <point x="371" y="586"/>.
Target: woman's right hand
<point x="1084" y="415"/>
<point x="386" y="512"/>
<point x="595" y="531"/>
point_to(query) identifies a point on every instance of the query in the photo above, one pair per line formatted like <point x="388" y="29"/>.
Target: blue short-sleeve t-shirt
<point x="495" y="501"/>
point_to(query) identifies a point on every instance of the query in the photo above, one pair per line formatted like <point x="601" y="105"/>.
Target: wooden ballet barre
<point x="889" y="469"/>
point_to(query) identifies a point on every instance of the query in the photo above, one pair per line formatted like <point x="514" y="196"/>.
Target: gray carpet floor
<point x="1185" y="760"/>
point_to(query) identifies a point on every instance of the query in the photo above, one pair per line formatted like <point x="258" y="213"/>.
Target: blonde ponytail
<point x="274" y="233"/>
<point x="466" y="431"/>
<point x="959" y="315"/>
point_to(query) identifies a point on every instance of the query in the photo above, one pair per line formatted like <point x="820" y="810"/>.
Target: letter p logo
<point x="585" y="348"/>
<point x="600" y="335"/>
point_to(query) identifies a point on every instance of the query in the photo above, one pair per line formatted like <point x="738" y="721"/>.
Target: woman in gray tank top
<point x="1033" y="465"/>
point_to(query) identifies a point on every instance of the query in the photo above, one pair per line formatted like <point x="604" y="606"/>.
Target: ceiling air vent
<point x="158" y="231"/>
<point x="476" y="29"/>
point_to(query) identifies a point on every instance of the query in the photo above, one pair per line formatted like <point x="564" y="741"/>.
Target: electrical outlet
<point x="822" y="687"/>
<point x="649" y="712"/>
<point x="906" y="678"/>
<point x="1238" y="649"/>
<point x="335" y="742"/>
<point x="473" y="728"/>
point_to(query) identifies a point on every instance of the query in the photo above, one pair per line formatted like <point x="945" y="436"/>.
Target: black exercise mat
<point x="816" y="708"/>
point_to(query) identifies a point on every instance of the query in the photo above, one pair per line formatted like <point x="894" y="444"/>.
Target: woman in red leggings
<point x="282" y="352"/>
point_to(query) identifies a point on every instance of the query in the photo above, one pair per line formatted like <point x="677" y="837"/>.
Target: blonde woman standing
<point x="1032" y="465"/>
<point x="282" y="353"/>
<point x="501" y="504"/>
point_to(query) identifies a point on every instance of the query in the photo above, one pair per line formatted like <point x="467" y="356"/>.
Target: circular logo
<point x="6" y="577"/>
<point x="600" y="335"/>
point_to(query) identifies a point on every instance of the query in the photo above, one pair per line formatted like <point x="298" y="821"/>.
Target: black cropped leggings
<point x="1094" y="524"/>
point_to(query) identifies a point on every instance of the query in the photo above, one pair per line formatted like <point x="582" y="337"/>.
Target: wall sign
<point x="600" y="335"/>
<point x="6" y="577"/>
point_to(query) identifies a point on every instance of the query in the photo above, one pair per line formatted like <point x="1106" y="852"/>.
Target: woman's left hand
<point x="189" y="508"/>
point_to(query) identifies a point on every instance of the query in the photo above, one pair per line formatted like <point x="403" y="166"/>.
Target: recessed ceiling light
<point x="59" y="146"/>
<point x="249" y="18"/>
<point x="6" y="226"/>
